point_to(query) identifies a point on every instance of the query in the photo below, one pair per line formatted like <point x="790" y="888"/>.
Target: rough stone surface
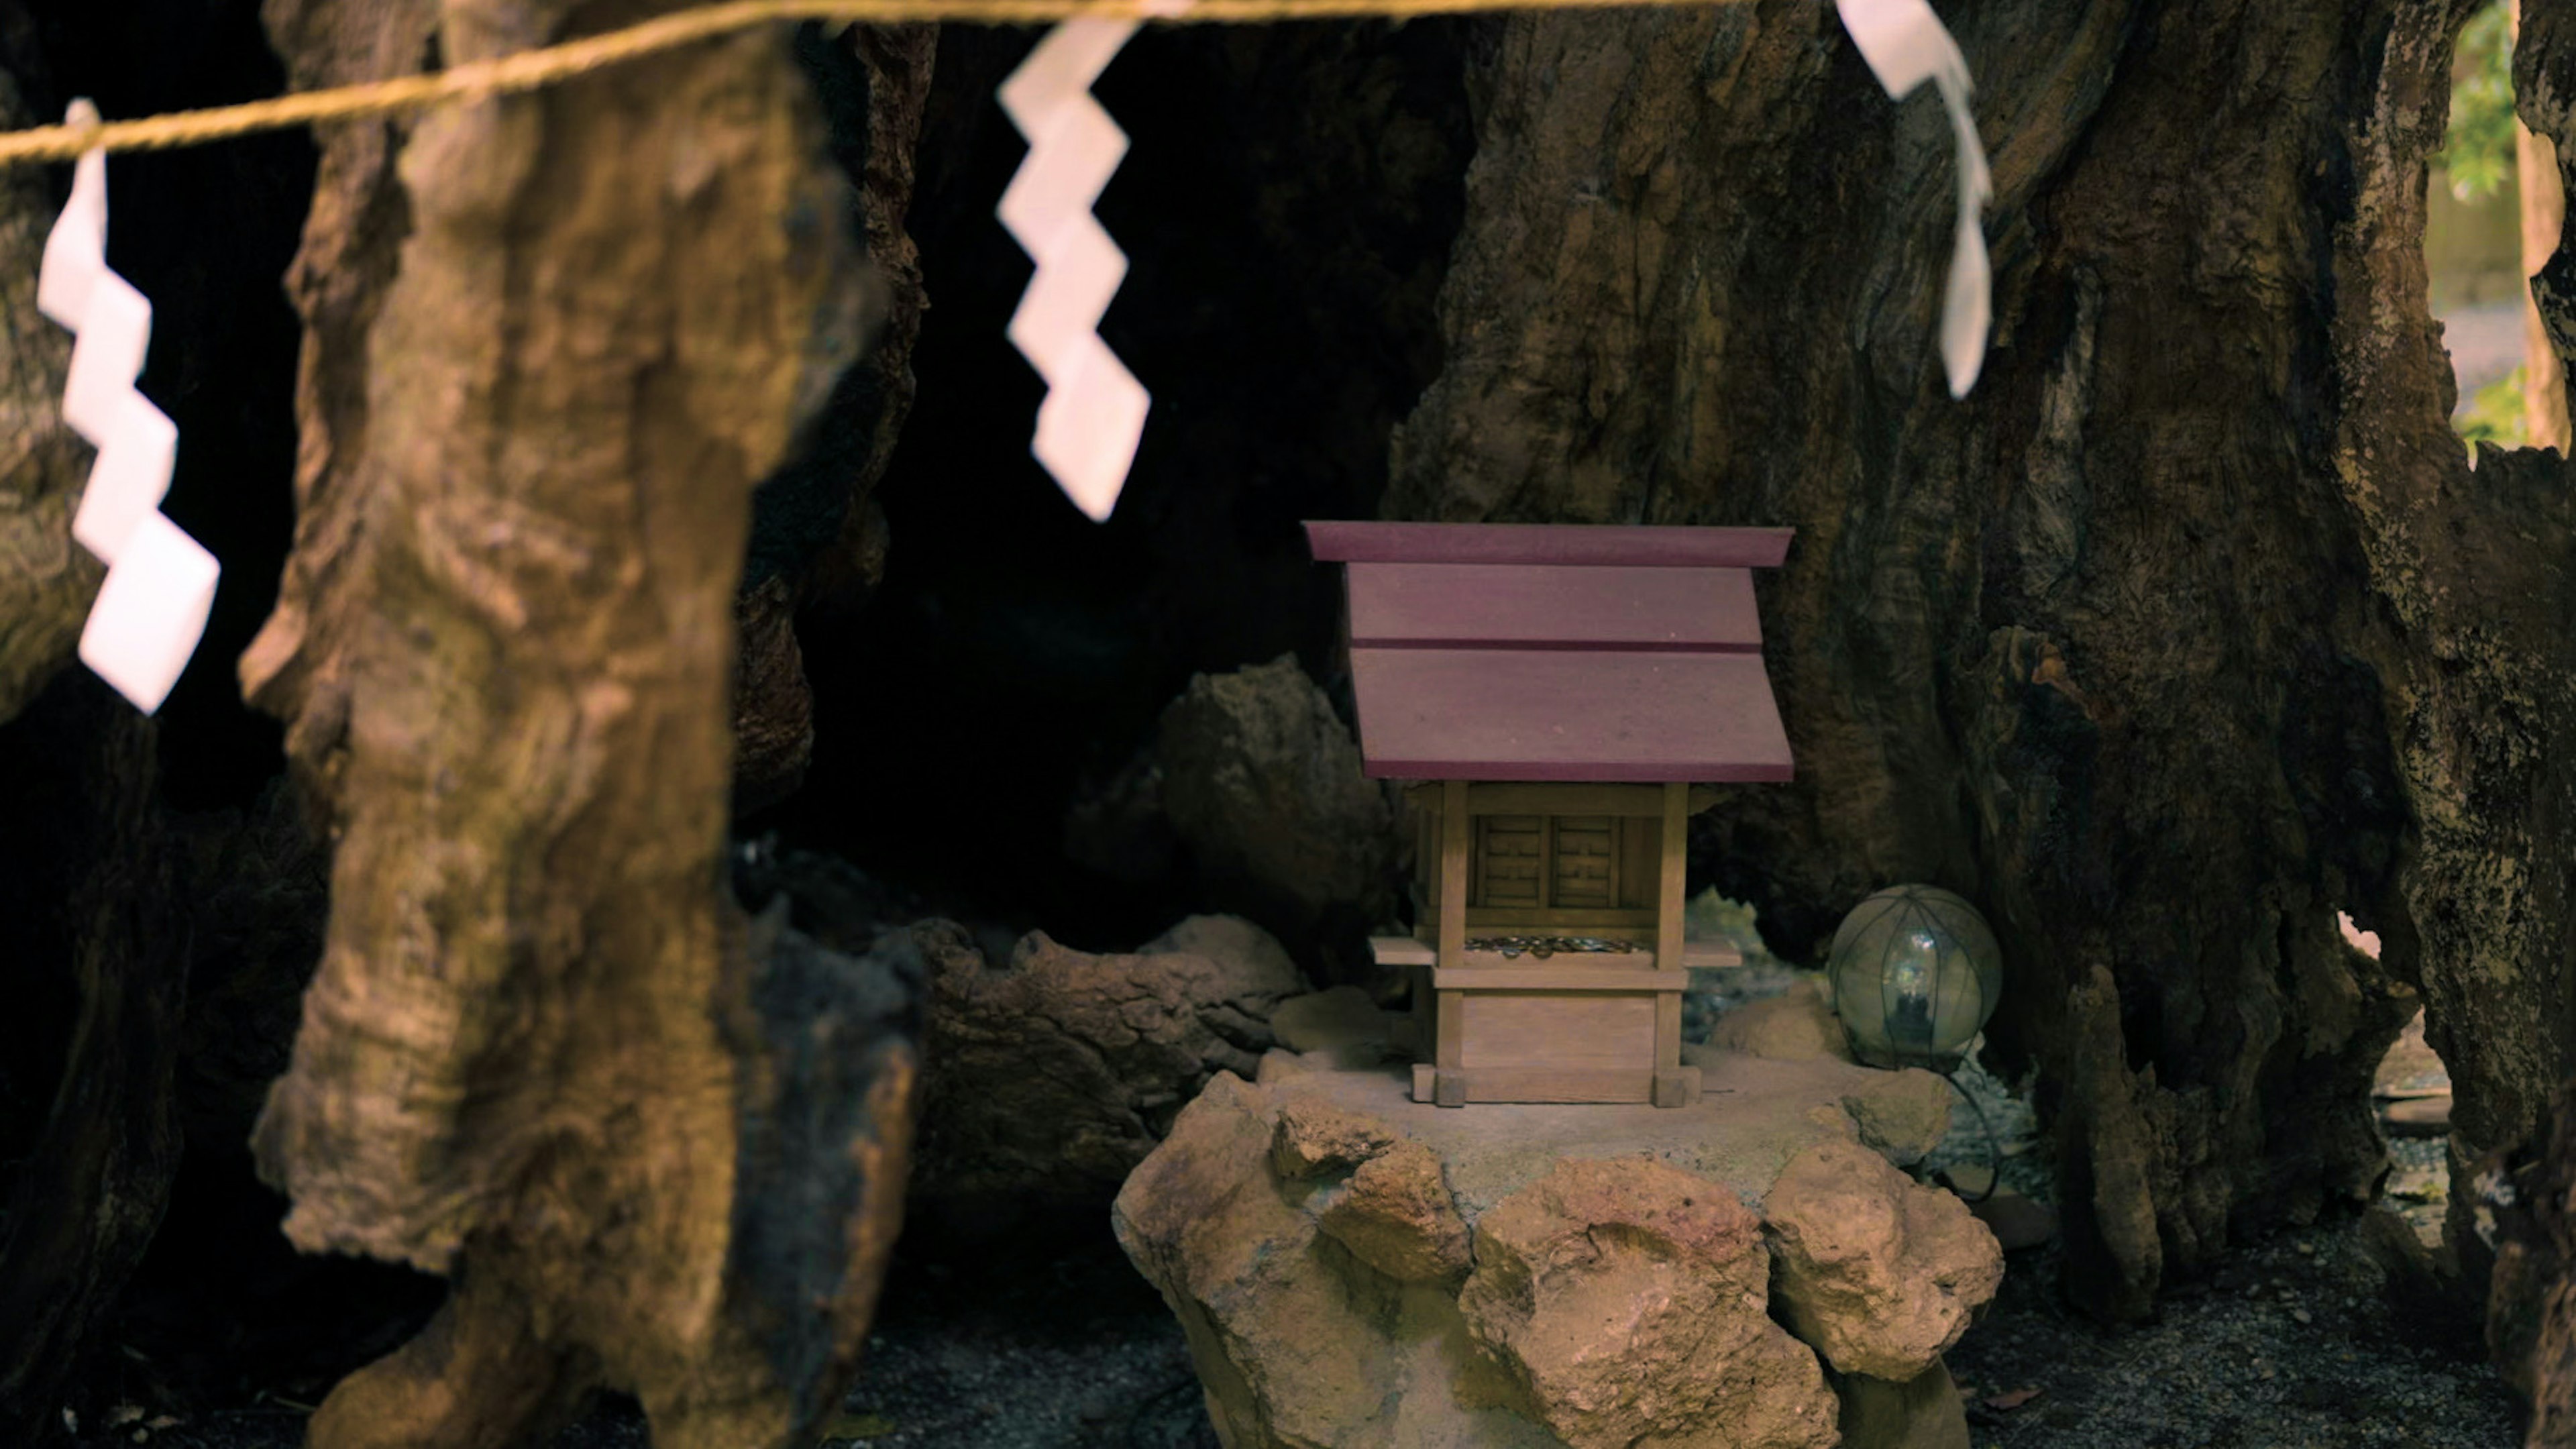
<point x="1358" y="1269"/>
<point x="1626" y="1299"/>
<point x="1050" y="1076"/>
<point x="1342" y="1020"/>
<point x="1902" y="1115"/>
<point x="1798" y="1025"/>
<point x="1279" y="1062"/>
<point x="1317" y="1137"/>
<point x="1923" y="1412"/>
<point x="1262" y="783"/>
<point x="1396" y="1215"/>
<point x="1227" y="938"/>
<point x="1877" y="1271"/>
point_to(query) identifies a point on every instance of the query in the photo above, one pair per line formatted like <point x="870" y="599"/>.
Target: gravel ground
<point x="1079" y="1353"/>
<point x="2291" y="1346"/>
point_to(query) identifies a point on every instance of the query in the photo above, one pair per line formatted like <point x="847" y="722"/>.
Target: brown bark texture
<point x="553" y="343"/>
<point x="46" y="579"/>
<point x="896" y="64"/>
<point x="2525" y="1205"/>
<point x="2531" y="1188"/>
<point x="819" y="539"/>
<point x="2188" y="628"/>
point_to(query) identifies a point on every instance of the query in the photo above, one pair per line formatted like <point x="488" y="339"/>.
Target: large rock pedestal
<point x="1360" y="1271"/>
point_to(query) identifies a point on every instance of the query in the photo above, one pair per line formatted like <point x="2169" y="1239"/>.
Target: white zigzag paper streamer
<point x="152" y="609"/>
<point x="1905" y="45"/>
<point x="1095" y="408"/>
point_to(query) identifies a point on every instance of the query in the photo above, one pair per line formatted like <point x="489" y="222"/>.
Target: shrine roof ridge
<point x="1616" y="545"/>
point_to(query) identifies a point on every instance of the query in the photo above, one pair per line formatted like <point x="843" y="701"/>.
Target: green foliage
<point x="2494" y="415"/>
<point x="2478" y="151"/>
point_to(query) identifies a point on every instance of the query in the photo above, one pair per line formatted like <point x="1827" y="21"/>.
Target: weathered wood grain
<point x="554" y="342"/>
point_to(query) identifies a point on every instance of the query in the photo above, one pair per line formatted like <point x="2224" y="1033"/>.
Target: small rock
<point x="2016" y="1221"/>
<point x="1277" y="1064"/>
<point x="1928" y="1412"/>
<point x="1330" y="1021"/>
<point x="1795" y="1026"/>
<point x="1876" y="1271"/>
<point x="1903" y="1115"/>
<point x="1225" y="938"/>
<point x="1315" y="1137"/>
<point x="1397" y="1216"/>
<point x="1050" y="1076"/>
<point x="1263" y="786"/>
<point x="1968" y="1179"/>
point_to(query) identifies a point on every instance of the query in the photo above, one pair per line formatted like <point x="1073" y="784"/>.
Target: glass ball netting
<point x="1914" y="973"/>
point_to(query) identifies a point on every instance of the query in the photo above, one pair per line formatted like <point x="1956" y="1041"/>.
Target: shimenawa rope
<point x="530" y="70"/>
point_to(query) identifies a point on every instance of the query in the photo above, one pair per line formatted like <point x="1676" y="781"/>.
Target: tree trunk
<point x="89" y="1133"/>
<point x="2187" y="629"/>
<point x="818" y="541"/>
<point x="94" y="948"/>
<point x="553" y="344"/>
<point x="2526" y="1206"/>
<point x="2534" y="1301"/>
<point x="46" y="580"/>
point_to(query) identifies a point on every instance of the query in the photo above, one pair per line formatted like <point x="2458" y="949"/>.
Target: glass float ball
<point x="1914" y="973"/>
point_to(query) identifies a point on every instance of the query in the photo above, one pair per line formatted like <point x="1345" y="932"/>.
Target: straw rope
<point x="530" y="70"/>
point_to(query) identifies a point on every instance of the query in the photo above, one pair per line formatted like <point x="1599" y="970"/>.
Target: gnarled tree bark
<point x="554" y="343"/>
<point x="2189" y="628"/>
<point x="46" y="580"/>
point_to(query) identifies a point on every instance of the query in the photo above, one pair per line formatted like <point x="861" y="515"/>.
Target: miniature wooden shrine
<point x="1557" y="693"/>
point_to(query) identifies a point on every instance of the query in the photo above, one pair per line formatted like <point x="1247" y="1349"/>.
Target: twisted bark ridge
<point x="553" y="344"/>
<point x="2190" y="627"/>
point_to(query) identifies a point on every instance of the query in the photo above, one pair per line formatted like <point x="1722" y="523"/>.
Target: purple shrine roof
<point x="1559" y="652"/>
